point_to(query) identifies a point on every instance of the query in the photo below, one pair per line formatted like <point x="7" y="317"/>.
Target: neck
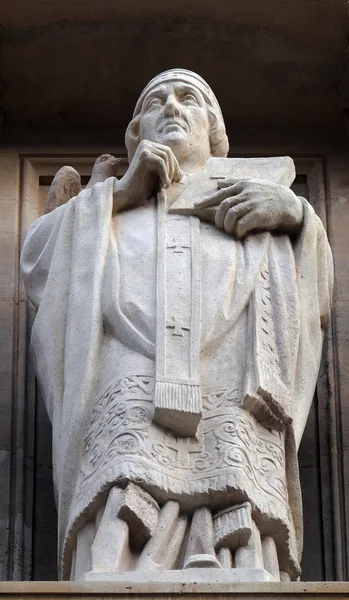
<point x="191" y="159"/>
<point x="193" y="164"/>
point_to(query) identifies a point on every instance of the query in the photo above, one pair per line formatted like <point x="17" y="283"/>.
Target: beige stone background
<point x="70" y="73"/>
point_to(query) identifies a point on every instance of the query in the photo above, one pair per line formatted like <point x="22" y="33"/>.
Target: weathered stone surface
<point x="162" y="550"/>
<point x="82" y="559"/>
<point x="200" y="550"/>
<point x="174" y="589"/>
<point x="233" y="527"/>
<point x="66" y="185"/>
<point x="270" y="557"/>
<point x="204" y="312"/>
<point x="141" y="512"/>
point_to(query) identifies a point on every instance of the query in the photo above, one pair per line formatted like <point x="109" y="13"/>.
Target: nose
<point x="172" y="107"/>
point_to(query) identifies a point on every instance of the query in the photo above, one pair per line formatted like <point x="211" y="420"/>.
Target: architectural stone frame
<point x="27" y="173"/>
<point x="326" y="412"/>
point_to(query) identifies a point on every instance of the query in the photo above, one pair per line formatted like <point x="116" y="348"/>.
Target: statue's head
<point x="178" y="109"/>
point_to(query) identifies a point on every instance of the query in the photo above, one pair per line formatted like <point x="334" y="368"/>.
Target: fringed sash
<point x="177" y="388"/>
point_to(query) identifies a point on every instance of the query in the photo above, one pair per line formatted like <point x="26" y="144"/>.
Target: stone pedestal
<point x="173" y="590"/>
<point x="189" y="577"/>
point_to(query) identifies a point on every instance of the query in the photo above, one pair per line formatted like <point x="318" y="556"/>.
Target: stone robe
<point x="93" y="278"/>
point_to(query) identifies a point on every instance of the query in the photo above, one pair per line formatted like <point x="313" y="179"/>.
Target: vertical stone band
<point x="177" y="388"/>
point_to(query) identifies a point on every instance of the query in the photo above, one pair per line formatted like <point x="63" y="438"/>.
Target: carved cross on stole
<point x="177" y="390"/>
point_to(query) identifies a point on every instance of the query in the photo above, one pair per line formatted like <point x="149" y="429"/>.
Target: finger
<point x="159" y="160"/>
<point x="223" y="208"/>
<point x="217" y="198"/>
<point x="234" y="214"/>
<point x="170" y="160"/>
<point x="175" y="173"/>
<point x="164" y="156"/>
<point x="163" y="151"/>
<point x="246" y="224"/>
<point x="160" y="169"/>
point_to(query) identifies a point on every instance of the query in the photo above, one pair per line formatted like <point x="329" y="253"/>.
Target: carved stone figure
<point x="177" y="343"/>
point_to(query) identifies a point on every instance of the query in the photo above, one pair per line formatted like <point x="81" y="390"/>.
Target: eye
<point x="153" y="103"/>
<point x="189" y="99"/>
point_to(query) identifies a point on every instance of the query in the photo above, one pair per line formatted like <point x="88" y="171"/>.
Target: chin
<point x="175" y="140"/>
<point x="175" y="135"/>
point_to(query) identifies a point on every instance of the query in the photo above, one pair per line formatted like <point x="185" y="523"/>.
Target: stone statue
<point x="177" y="343"/>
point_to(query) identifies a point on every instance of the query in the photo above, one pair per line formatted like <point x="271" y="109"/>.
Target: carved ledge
<point x="264" y="591"/>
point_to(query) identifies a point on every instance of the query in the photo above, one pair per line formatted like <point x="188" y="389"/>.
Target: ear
<point x="218" y="138"/>
<point x="212" y="118"/>
<point x="132" y="136"/>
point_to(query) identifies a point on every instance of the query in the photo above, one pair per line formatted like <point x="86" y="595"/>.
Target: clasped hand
<point x="246" y="205"/>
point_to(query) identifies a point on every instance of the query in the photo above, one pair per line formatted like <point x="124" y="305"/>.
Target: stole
<point x="178" y="317"/>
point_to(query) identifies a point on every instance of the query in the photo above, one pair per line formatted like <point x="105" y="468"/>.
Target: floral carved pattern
<point x="231" y="448"/>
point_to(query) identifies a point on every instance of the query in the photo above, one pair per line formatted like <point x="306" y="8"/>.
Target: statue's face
<point x="175" y="114"/>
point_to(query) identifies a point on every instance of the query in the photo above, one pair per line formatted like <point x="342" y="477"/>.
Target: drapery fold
<point x="63" y="263"/>
<point x="66" y="334"/>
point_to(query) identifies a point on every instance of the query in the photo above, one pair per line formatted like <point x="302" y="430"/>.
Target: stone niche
<point x="289" y="60"/>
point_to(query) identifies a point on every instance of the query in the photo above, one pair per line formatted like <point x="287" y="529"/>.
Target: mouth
<point x="173" y="124"/>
